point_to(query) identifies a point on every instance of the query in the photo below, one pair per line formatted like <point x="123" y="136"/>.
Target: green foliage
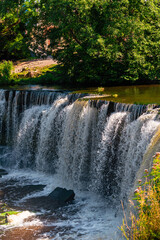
<point x="146" y="225"/>
<point x="100" y="90"/>
<point x="48" y="75"/>
<point x="103" y="41"/>
<point x="5" y="211"/>
<point x="9" y="213"/>
<point x="5" y="72"/>
<point x="96" y="42"/>
<point x="16" y="23"/>
<point x="4" y="215"/>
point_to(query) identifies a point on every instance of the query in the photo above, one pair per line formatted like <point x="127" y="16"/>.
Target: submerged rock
<point x="1" y="194"/>
<point x="58" y="198"/>
<point x="19" y="192"/>
<point x="3" y="172"/>
<point x="62" y="195"/>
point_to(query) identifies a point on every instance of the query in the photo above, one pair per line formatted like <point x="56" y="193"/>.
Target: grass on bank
<point x="145" y="223"/>
<point x="44" y="75"/>
<point x="37" y="75"/>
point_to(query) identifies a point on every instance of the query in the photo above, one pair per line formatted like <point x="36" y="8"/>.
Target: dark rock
<point x="29" y="74"/>
<point x="44" y="202"/>
<point x="1" y="194"/>
<point x="3" y="172"/>
<point x="110" y="108"/>
<point x="58" y="198"/>
<point x="62" y="195"/>
<point x="18" y="192"/>
<point x="23" y="69"/>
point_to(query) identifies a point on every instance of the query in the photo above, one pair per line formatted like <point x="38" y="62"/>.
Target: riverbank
<point x="50" y="72"/>
<point x="37" y="71"/>
<point x="24" y="72"/>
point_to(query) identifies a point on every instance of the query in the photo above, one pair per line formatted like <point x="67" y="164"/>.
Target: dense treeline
<point x="17" y="19"/>
<point x="96" y="41"/>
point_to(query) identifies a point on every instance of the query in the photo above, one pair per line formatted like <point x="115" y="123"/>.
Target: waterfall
<point x="92" y="145"/>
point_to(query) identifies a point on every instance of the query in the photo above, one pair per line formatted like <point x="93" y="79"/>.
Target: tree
<point x="16" y="20"/>
<point x="98" y="41"/>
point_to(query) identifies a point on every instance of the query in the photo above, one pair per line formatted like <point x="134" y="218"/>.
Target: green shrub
<point x="145" y="224"/>
<point x="5" y="72"/>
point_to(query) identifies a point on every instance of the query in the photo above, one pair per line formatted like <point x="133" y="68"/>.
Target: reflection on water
<point x="140" y="94"/>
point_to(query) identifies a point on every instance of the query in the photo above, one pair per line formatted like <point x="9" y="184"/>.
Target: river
<point x="95" y="147"/>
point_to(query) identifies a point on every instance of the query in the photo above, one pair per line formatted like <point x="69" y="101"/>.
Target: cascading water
<point x="93" y="146"/>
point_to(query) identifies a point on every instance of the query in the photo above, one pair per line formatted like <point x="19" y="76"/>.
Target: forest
<point x="96" y="42"/>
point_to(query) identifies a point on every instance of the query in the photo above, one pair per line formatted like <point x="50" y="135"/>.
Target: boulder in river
<point x="58" y="198"/>
<point x="62" y="195"/>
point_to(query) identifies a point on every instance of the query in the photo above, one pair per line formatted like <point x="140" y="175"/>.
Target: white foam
<point x="22" y="219"/>
<point x="88" y="218"/>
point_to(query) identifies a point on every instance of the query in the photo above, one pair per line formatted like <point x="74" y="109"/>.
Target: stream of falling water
<point x="52" y="139"/>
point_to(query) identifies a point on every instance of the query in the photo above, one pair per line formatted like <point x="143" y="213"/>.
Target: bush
<point x="5" y="72"/>
<point x="145" y="225"/>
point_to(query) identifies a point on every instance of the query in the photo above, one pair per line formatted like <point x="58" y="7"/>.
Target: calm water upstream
<point x="140" y="94"/>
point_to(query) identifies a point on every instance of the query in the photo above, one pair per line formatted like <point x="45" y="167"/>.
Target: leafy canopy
<point x="16" y="21"/>
<point x="103" y="40"/>
<point x="95" y="41"/>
